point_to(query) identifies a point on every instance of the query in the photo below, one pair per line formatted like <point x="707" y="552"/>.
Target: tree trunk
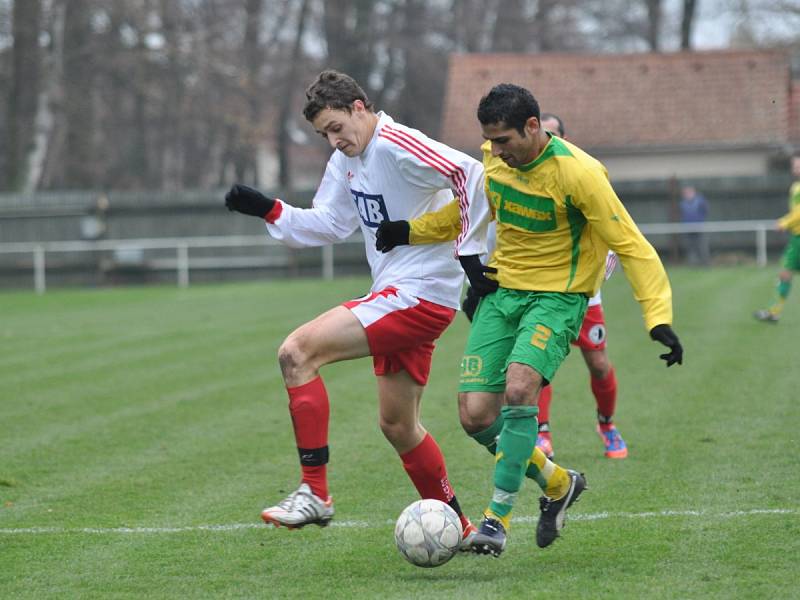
<point x="285" y="113"/>
<point x="23" y="98"/>
<point x="687" y="21"/>
<point x="654" y="14"/>
<point x="78" y="97"/>
<point x="511" y="27"/>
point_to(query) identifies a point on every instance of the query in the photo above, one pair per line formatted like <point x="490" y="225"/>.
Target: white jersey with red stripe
<point x="401" y="175"/>
<point x="611" y="264"/>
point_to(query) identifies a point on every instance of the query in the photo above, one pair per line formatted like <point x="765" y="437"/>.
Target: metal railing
<point x="182" y="263"/>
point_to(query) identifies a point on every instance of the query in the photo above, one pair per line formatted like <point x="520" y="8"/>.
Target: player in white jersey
<point x="379" y="170"/>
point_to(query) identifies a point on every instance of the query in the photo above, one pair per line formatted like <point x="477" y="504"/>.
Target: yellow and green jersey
<point x="791" y="220"/>
<point x="556" y="219"/>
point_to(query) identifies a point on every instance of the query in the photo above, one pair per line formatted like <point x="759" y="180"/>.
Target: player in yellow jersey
<point x="791" y="255"/>
<point x="557" y="216"/>
<point x="591" y="341"/>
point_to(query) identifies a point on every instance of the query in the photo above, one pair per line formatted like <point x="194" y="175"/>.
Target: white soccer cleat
<point x="298" y="509"/>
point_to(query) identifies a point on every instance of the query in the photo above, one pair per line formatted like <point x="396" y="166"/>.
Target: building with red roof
<point x="647" y="116"/>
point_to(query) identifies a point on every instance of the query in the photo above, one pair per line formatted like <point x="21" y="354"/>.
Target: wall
<point x="682" y="164"/>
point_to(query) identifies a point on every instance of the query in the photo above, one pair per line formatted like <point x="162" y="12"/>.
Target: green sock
<point x="514" y="448"/>
<point x="783" y="288"/>
<point x="488" y="437"/>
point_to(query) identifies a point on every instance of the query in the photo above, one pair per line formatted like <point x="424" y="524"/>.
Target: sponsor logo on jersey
<point x="526" y="211"/>
<point x="371" y="207"/>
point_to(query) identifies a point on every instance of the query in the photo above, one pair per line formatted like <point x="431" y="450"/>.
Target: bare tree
<point x="687" y="22"/>
<point x="654" y="14"/>
<point x="23" y="92"/>
<point x="511" y="30"/>
<point x="78" y="165"/>
<point x="472" y="25"/>
<point x="350" y="36"/>
<point x="285" y="112"/>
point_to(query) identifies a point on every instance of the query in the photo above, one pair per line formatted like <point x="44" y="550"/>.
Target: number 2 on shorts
<point x="540" y="336"/>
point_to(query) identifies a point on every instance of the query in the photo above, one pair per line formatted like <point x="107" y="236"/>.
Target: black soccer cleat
<point x="554" y="512"/>
<point x="490" y="539"/>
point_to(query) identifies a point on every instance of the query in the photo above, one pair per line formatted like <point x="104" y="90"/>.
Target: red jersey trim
<point x="275" y="212"/>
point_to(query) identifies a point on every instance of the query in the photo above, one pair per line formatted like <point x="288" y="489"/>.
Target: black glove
<point x="391" y="234"/>
<point x="470" y="303"/>
<point x="248" y="201"/>
<point x="665" y="335"/>
<point x="475" y="273"/>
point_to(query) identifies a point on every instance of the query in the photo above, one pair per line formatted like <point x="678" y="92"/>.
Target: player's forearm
<point x="791" y="221"/>
<point x="435" y="227"/>
<point x="307" y="227"/>
<point x="650" y="285"/>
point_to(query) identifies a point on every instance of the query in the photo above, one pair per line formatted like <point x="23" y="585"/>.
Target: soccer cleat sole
<point x="617" y="453"/>
<point x="270" y="520"/>
<point x="486" y="547"/>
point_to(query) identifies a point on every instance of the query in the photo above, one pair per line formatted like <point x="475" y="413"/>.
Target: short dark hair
<point x="510" y="104"/>
<point x="334" y="90"/>
<point x="557" y="119"/>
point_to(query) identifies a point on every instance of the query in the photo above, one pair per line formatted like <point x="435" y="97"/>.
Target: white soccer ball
<point x="428" y="533"/>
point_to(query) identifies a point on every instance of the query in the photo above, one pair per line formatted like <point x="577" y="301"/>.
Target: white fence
<point x="182" y="263"/>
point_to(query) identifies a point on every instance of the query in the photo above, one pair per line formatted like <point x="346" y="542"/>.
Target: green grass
<point x="132" y="418"/>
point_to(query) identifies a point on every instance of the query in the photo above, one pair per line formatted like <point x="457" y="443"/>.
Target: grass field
<point x="142" y="431"/>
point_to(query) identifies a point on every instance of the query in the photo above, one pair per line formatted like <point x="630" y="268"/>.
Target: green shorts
<point x="532" y="328"/>
<point x="791" y="255"/>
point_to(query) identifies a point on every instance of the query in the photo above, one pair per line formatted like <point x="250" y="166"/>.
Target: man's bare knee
<point x="474" y="417"/>
<point x="293" y="356"/>
<point x="517" y="395"/>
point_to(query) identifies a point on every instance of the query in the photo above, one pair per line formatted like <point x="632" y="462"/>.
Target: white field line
<point x="368" y="524"/>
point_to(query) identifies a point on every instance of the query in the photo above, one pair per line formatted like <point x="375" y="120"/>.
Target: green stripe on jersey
<point x="576" y="222"/>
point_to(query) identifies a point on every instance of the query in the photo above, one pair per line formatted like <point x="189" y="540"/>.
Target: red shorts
<point x="593" y="330"/>
<point x="401" y="330"/>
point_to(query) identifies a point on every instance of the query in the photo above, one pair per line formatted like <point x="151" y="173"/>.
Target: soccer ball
<point x="428" y="533"/>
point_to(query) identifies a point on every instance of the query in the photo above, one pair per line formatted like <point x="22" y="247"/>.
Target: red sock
<point x="310" y="410"/>
<point x="545" y="397"/>
<point x="605" y="394"/>
<point x="425" y="466"/>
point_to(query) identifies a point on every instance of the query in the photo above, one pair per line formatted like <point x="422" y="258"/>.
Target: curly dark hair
<point x="510" y="104"/>
<point x="335" y="90"/>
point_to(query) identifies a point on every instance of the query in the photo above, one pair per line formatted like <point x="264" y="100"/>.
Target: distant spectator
<point x="694" y="209"/>
<point x="93" y="225"/>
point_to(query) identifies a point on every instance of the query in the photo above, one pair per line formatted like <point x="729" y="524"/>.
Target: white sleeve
<point x="475" y="215"/>
<point x="611" y="263"/>
<point x="433" y="164"/>
<point x="332" y="217"/>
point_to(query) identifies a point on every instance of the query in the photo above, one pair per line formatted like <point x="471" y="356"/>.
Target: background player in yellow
<point x="791" y="255"/>
<point x="557" y="216"/>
